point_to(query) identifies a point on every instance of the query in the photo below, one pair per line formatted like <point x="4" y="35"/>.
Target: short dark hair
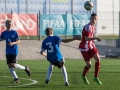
<point x="93" y="14"/>
<point x="8" y="21"/>
<point x="48" y="31"/>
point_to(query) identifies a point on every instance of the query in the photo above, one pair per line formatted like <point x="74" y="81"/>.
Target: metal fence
<point x="44" y="6"/>
<point x="107" y="10"/>
<point x="108" y="22"/>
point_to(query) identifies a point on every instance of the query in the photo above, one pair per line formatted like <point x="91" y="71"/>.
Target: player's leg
<point x="97" y="64"/>
<point x="49" y="73"/>
<point x="85" y="70"/>
<point x="65" y="75"/>
<point x="87" y="67"/>
<point x="11" y="69"/>
<point x="26" y="68"/>
<point x="96" y="56"/>
<point x="61" y="65"/>
<point x="97" y="68"/>
<point x="15" y="65"/>
<point x="19" y="66"/>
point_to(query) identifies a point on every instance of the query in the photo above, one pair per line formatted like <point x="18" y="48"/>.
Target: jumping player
<point x="88" y="49"/>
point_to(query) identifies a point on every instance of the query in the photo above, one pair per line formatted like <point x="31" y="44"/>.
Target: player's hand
<point x="11" y="43"/>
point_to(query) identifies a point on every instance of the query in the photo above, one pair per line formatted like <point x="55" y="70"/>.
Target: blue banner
<point x="65" y="24"/>
<point x="76" y="23"/>
<point x="57" y="22"/>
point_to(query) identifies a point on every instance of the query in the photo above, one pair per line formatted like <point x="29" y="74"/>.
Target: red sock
<point x="97" y="68"/>
<point x="85" y="70"/>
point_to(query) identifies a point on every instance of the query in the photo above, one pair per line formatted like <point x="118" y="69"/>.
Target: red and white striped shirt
<point x="88" y="31"/>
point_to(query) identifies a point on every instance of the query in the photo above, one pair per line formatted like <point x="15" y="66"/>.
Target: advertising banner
<point x="24" y="24"/>
<point x="56" y="22"/>
<point x="65" y="24"/>
<point x="76" y="22"/>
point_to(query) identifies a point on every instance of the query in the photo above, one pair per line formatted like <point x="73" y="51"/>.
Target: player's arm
<point x="2" y="37"/>
<point x="94" y="38"/>
<point x="67" y="40"/>
<point x="13" y="43"/>
<point x="87" y="34"/>
<point x="44" y="54"/>
<point x="43" y="48"/>
<point x="72" y="39"/>
<point x="17" y="41"/>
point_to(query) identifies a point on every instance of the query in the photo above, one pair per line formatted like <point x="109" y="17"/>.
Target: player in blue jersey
<point x="12" y="39"/>
<point x="54" y="56"/>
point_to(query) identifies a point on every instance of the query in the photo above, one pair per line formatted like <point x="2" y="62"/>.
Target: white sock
<point x="20" y="66"/>
<point x="12" y="71"/>
<point x="64" y="74"/>
<point x="49" y="73"/>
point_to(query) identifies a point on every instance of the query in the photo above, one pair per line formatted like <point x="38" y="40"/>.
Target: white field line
<point x="33" y="82"/>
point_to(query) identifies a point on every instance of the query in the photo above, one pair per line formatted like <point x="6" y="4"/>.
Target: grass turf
<point x="109" y="76"/>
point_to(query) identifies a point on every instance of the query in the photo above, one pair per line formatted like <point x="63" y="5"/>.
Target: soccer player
<point x="88" y="49"/>
<point x="12" y="39"/>
<point x="54" y="56"/>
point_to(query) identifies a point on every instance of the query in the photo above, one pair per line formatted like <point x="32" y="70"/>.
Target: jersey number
<point x="9" y="40"/>
<point x="50" y="50"/>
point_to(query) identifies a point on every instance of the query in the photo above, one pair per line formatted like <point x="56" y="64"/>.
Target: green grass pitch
<point x="109" y="76"/>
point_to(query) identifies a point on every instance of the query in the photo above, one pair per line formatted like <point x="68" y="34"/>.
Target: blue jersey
<point x="10" y="36"/>
<point x="51" y="44"/>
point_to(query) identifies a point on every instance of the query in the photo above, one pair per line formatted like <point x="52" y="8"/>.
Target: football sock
<point x="85" y="70"/>
<point x="97" y="68"/>
<point x="12" y="71"/>
<point x="64" y="74"/>
<point x="49" y="73"/>
<point x="20" y="66"/>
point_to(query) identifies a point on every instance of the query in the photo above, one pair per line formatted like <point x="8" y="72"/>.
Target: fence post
<point x="119" y="26"/>
<point x="49" y="7"/>
<point x="5" y="6"/>
<point x="71" y="6"/>
<point x="39" y="26"/>
<point x="11" y="12"/>
<point x="26" y="6"/>
<point x="66" y="27"/>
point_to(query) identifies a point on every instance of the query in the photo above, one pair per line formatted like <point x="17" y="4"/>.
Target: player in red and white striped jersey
<point x="88" y="49"/>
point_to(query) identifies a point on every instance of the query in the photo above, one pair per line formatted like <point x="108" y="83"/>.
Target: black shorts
<point x="11" y="58"/>
<point x="59" y="64"/>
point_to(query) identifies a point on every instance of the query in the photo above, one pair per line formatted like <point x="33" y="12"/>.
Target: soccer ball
<point x="88" y="5"/>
